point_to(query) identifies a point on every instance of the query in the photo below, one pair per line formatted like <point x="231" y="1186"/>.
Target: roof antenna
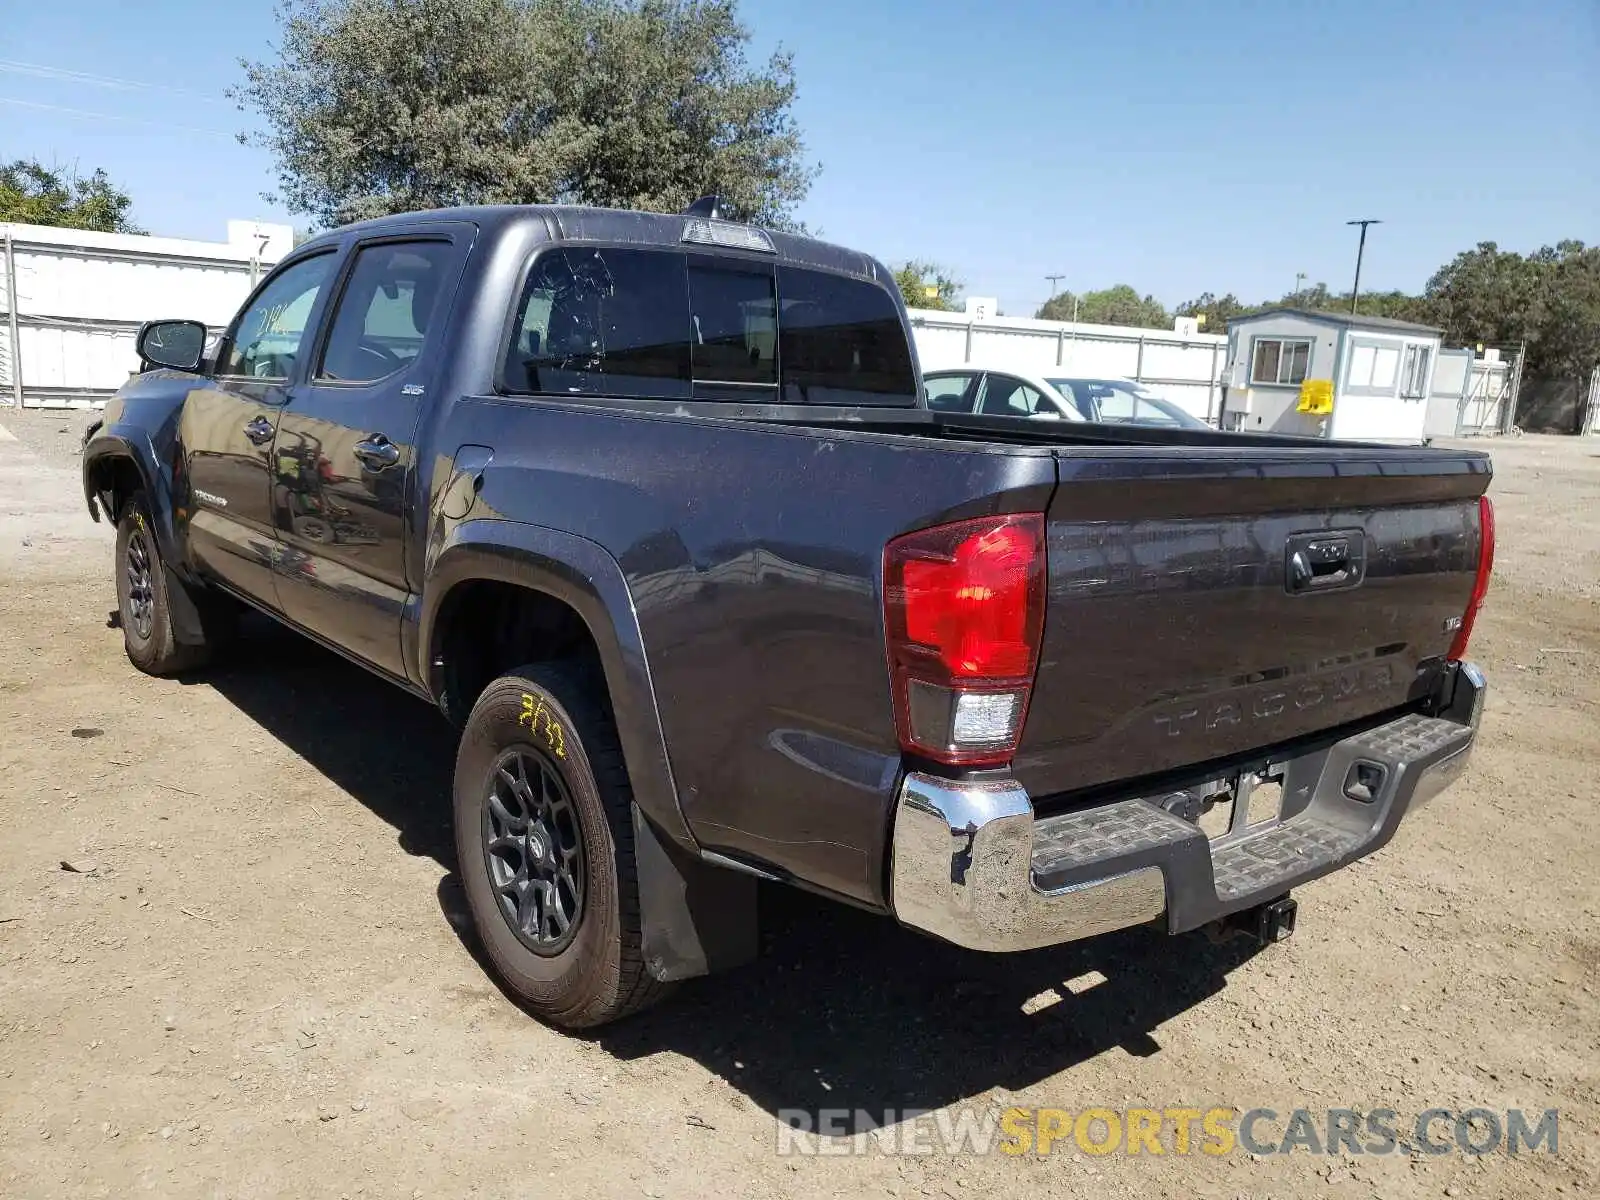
<point x="709" y="206"/>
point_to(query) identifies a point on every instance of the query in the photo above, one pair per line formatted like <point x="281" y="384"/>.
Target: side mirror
<point x="176" y="344"/>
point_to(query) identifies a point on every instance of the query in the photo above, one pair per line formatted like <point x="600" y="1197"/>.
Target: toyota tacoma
<point x="651" y="508"/>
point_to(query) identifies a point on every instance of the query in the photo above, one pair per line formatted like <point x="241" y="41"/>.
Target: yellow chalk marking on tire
<point x="542" y="721"/>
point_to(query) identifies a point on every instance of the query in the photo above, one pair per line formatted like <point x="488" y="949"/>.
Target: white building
<point x="1379" y="372"/>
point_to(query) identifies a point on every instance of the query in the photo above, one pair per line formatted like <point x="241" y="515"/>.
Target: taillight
<point x="1480" y="585"/>
<point x="964" y="611"/>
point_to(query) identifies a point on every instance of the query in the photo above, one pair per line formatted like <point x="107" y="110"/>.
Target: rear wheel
<point x="544" y="839"/>
<point x="144" y="601"/>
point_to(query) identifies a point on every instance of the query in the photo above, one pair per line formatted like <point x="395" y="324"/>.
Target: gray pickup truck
<point x="650" y="507"/>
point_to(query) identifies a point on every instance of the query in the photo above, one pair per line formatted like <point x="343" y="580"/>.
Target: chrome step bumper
<point x="973" y="866"/>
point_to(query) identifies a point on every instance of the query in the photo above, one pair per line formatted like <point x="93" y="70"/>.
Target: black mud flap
<point x="697" y="918"/>
<point x="187" y="626"/>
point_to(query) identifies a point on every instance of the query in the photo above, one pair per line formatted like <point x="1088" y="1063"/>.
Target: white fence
<point x="1184" y="367"/>
<point x="74" y="300"/>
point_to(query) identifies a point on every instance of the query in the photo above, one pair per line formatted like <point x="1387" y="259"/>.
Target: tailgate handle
<point x="1325" y="561"/>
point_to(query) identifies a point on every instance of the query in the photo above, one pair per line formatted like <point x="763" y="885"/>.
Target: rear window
<point x="735" y="335"/>
<point x="668" y="325"/>
<point x="841" y="342"/>
<point x="602" y="321"/>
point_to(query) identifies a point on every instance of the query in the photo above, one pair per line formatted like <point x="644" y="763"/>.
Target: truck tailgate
<point x="1204" y="603"/>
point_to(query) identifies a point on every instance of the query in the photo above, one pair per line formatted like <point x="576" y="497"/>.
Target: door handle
<point x="376" y="452"/>
<point x="259" y="431"/>
<point x="1325" y="562"/>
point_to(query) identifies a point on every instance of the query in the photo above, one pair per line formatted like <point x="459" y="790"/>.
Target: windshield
<point x="1112" y="402"/>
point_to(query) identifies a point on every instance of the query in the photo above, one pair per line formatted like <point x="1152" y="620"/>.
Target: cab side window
<point x="384" y="311"/>
<point x="267" y="336"/>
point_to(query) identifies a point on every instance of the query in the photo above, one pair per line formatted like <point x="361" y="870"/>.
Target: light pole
<point x="1298" y="276"/>
<point x="1361" y="248"/>
<point x="1055" y="282"/>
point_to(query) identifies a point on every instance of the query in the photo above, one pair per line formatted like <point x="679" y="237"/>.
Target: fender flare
<point x="133" y="443"/>
<point x="696" y="917"/>
<point x="583" y="575"/>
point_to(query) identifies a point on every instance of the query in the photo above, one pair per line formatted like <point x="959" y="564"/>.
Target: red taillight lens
<point x="964" y="611"/>
<point x="1480" y="585"/>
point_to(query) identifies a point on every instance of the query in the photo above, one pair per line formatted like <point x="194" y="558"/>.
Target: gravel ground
<point x="256" y="980"/>
<point x="54" y="435"/>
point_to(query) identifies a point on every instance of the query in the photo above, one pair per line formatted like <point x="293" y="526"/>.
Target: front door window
<point x="266" y="339"/>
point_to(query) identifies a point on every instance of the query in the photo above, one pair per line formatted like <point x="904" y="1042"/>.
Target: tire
<point x="144" y="604"/>
<point x="551" y="720"/>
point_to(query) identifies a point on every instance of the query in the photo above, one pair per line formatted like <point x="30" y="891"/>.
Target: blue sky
<point x="1175" y="146"/>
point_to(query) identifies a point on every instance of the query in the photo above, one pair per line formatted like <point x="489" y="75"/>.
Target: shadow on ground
<point x="844" y="1009"/>
<point x="848" y="1010"/>
<point x="389" y="750"/>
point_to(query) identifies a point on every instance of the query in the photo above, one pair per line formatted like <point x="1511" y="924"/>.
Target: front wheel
<point x="144" y="601"/>
<point x="544" y="839"/>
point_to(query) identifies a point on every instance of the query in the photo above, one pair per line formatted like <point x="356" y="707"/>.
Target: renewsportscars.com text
<point x="1178" y="1130"/>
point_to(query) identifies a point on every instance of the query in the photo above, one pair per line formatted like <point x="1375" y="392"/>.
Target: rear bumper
<point x="972" y="865"/>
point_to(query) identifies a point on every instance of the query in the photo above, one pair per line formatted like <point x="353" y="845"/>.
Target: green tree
<point x="1488" y="295"/>
<point x="1548" y="301"/>
<point x="381" y="106"/>
<point x="1569" y="339"/>
<point x="34" y="194"/>
<point x="1316" y="298"/>
<point x="1118" y="305"/>
<point x="928" y="285"/>
<point x="1063" y="306"/>
<point x="1401" y="306"/>
<point x="1395" y="304"/>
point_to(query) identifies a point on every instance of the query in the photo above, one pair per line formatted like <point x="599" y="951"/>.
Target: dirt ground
<point x="257" y="980"/>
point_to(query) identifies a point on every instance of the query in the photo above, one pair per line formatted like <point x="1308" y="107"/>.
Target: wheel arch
<point x="696" y="917"/>
<point x="556" y="572"/>
<point x="116" y="463"/>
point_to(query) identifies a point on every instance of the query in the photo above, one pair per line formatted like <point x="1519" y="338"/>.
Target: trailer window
<point x="1283" y="361"/>
<point x="1414" y="375"/>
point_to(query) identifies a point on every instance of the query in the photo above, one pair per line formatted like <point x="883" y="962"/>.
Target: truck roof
<point x="576" y="223"/>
